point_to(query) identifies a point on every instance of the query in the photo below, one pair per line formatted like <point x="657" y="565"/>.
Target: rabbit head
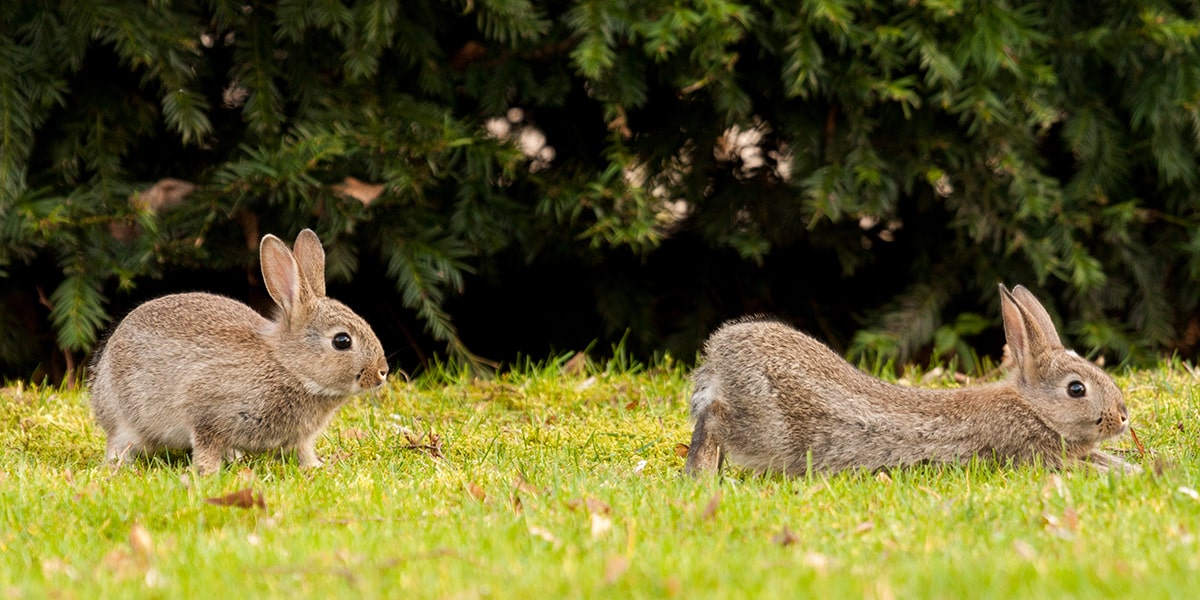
<point x="319" y="340"/>
<point x="1075" y="397"/>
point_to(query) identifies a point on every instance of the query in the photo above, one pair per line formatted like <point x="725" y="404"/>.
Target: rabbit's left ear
<point x="311" y="257"/>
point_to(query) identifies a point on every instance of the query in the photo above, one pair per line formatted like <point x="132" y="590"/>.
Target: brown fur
<point x="209" y="373"/>
<point x="771" y="398"/>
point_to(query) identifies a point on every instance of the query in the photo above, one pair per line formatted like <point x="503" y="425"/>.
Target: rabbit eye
<point x="342" y="341"/>
<point x="1076" y="389"/>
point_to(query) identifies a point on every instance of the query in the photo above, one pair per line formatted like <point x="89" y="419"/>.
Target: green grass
<point x="558" y="485"/>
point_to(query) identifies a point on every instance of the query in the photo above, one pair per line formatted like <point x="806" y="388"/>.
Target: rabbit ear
<point x="311" y="257"/>
<point x="1041" y="327"/>
<point x="1014" y="328"/>
<point x="281" y="274"/>
<point x="1027" y="327"/>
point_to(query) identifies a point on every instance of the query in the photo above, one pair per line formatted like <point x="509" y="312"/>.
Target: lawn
<point x="547" y="482"/>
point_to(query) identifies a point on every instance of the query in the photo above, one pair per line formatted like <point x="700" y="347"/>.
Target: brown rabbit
<point x="771" y="398"/>
<point x="209" y="373"/>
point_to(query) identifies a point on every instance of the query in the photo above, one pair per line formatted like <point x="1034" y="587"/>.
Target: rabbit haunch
<point x="209" y="373"/>
<point x="771" y="398"/>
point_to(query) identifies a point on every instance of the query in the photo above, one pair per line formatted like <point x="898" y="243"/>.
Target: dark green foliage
<point x="889" y="161"/>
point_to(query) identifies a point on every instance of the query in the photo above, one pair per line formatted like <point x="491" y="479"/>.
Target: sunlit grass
<point x="552" y="483"/>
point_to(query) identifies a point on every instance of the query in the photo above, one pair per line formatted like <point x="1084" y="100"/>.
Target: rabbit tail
<point x="704" y="453"/>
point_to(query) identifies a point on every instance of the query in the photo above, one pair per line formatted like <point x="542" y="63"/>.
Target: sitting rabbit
<point x="771" y="398"/>
<point x="209" y="373"/>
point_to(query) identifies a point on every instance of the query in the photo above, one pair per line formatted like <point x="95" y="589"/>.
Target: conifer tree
<point x="925" y="149"/>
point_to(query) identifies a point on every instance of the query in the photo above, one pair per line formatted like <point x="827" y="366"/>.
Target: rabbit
<point x="771" y="398"/>
<point x="206" y="372"/>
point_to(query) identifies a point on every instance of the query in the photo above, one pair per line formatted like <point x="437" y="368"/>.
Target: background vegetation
<point x="562" y="481"/>
<point x="504" y="176"/>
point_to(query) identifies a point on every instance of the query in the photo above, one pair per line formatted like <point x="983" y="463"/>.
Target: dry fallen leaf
<point x="816" y="561"/>
<point x="54" y="566"/>
<point x="597" y="507"/>
<point x="785" y="537"/>
<point x="577" y="365"/>
<point x="601" y="525"/>
<point x="1070" y="519"/>
<point x="614" y="568"/>
<point x="243" y="498"/>
<point x="543" y="533"/>
<point x="585" y="384"/>
<point x="681" y="450"/>
<point x="710" y="509"/>
<point x="1136" y="442"/>
<point x="356" y="189"/>
<point x="515" y="501"/>
<point x="353" y="433"/>
<point x="476" y="491"/>
<point x="140" y="541"/>
<point x="523" y="485"/>
<point x="1024" y="550"/>
<point x="166" y="193"/>
<point x="884" y="478"/>
<point x="864" y="527"/>
<point x="416" y="442"/>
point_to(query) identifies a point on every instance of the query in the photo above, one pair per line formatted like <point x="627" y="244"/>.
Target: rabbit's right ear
<point x="281" y="274"/>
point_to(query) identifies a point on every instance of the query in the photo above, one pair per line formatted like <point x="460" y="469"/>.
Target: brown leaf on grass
<point x="577" y="365"/>
<point x="515" y="501"/>
<point x="243" y="498"/>
<point x="614" y="568"/>
<point x="864" y="527"/>
<point x="476" y="491"/>
<point x="1070" y="519"/>
<point x="353" y="433"/>
<point x="140" y="541"/>
<point x="594" y="506"/>
<point x="356" y="189"/>
<point x="883" y="477"/>
<point x="710" y="509"/>
<point x="543" y="533"/>
<point x="417" y="442"/>
<point x="601" y="524"/>
<point x="523" y="485"/>
<point x="597" y="507"/>
<point x="1136" y="442"/>
<point x="632" y="404"/>
<point x="786" y="537"/>
<point x="681" y="450"/>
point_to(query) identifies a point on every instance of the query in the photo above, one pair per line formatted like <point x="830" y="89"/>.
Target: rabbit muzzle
<point x="372" y="377"/>
<point x="1114" y="422"/>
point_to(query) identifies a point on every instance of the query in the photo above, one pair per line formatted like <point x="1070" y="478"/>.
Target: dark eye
<point x="1076" y="389"/>
<point x="342" y="341"/>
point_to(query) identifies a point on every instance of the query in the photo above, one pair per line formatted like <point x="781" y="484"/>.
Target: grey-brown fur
<point x="771" y="398"/>
<point x="209" y="373"/>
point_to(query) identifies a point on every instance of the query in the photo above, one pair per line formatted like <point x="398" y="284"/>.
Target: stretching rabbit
<point x="209" y="373"/>
<point x="771" y="398"/>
